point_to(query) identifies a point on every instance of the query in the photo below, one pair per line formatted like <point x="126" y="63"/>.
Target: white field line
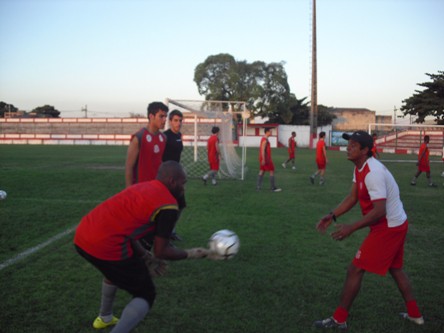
<point x="34" y="249"/>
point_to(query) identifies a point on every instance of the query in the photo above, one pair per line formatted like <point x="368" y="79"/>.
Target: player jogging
<point x="291" y="151"/>
<point x="213" y="155"/>
<point x="423" y="163"/>
<point x="266" y="162"/>
<point x="321" y="160"/>
<point x="382" y="250"/>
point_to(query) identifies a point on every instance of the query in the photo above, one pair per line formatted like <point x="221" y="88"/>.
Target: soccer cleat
<point x="213" y="181"/>
<point x="100" y="324"/>
<point x="433" y="185"/>
<point x="204" y="180"/>
<point x="413" y="183"/>
<point x="294" y="168"/>
<point x="322" y="182"/>
<point x="284" y="165"/>
<point x="330" y="323"/>
<point x="417" y="321"/>
<point x="276" y="189"/>
<point x="312" y="180"/>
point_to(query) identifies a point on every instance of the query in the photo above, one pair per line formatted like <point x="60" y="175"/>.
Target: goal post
<point x="408" y="137"/>
<point x="199" y="118"/>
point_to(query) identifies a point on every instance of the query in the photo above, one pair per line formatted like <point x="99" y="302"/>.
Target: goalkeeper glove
<point x="197" y="253"/>
<point x="156" y="267"/>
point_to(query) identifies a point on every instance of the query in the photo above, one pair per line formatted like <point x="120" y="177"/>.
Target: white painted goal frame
<point x="392" y="137"/>
<point x="199" y="118"/>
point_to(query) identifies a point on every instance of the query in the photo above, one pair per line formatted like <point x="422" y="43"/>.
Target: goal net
<point x="199" y="118"/>
<point x="408" y="137"/>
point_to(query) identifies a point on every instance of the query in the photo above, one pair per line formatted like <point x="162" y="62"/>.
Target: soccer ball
<point x="225" y="243"/>
<point x="3" y="195"/>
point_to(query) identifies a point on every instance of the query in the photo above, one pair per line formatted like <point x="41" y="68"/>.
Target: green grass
<point x="285" y="276"/>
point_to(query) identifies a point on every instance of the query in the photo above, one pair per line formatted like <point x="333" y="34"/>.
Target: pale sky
<point x="117" y="56"/>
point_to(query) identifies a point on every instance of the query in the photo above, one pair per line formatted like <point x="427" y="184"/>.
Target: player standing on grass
<point x="146" y="147"/>
<point x="266" y="162"/>
<point x="383" y="248"/>
<point x="375" y="149"/>
<point x="173" y="150"/>
<point x="291" y="151"/>
<point x="213" y="154"/>
<point x="423" y="163"/>
<point x="107" y="238"/>
<point x="321" y="160"/>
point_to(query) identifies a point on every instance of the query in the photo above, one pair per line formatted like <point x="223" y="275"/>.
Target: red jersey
<point x="107" y="231"/>
<point x="291" y="147"/>
<point x="375" y="183"/>
<point x="320" y="151"/>
<point x="374" y="149"/>
<point x="266" y="163"/>
<point x="423" y="158"/>
<point x="212" y="152"/>
<point x="151" y="148"/>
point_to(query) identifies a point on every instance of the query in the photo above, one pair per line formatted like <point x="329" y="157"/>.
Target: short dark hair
<point x="427" y="138"/>
<point x="174" y="113"/>
<point x="215" y="130"/>
<point x="267" y="129"/>
<point x="322" y="134"/>
<point x="155" y="107"/>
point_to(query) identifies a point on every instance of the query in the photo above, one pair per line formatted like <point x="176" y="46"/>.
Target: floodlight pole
<point x="314" y="82"/>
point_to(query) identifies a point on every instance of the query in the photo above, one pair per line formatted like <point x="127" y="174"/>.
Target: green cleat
<point x="100" y="324"/>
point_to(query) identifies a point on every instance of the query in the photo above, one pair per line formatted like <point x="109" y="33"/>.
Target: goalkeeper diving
<point x="109" y="237"/>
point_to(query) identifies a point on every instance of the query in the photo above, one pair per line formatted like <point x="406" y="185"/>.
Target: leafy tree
<point x="5" y="108"/>
<point x="428" y="102"/>
<point x="263" y="86"/>
<point x="46" y="111"/>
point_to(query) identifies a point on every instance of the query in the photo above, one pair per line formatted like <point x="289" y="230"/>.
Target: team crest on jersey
<point x="149" y="138"/>
<point x="156" y="149"/>
<point x="160" y="138"/>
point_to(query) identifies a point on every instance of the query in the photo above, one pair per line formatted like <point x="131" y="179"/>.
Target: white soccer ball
<point x="3" y="195"/>
<point x="225" y="243"/>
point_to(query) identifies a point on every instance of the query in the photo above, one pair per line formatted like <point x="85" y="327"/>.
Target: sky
<point x="116" y="56"/>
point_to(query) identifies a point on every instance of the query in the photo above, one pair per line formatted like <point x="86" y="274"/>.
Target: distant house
<point x="353" y="119"/>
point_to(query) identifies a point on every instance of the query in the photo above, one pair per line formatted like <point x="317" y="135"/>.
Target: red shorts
<point x="424" y="167"/>
<point x="214" y="165"/>
<point x="382" y="249"/>
<point x="269" y="166"/>
<point x="321" y="163"/>
<point x="290" y="155"/>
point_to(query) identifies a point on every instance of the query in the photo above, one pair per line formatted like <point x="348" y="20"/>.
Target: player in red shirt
<point x="382" y="211"/>
<point x="375" y="149"/>
<point x="108" y="236"/>
<point x="213" y="154"/>
<point x="321" y="160"/>
<point x="423" y="163"/>
<point x="146" y="147"/>
<point x="266" y="162"/>
<point x="291" y="151"/>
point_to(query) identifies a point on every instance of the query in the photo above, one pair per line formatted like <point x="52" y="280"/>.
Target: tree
<point x="263" y="86"/>
<point x="46" y="111"/>
<point x="5" y="108"/>
<point x="428" y="102"/>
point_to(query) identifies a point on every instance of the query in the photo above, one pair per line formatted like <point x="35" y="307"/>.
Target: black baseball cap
<point x="362" y="137"/>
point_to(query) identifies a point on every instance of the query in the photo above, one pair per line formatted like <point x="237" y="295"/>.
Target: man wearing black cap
<point x="383" y="248"/>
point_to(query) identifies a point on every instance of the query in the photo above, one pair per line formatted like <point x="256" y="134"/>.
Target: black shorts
<point x="130" y="274"/>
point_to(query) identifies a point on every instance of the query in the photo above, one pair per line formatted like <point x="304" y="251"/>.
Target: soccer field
<point x="285" y="276"/>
